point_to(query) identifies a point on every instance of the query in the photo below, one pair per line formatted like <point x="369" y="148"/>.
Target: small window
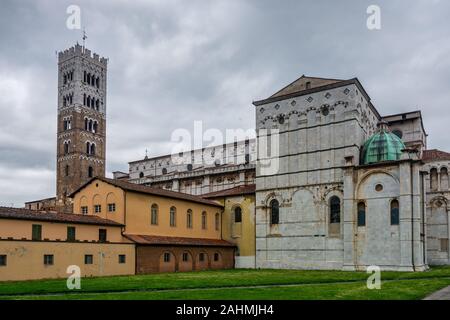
<point x="308" y="85"/>
<point x="395" y="213"/>
<point x="141" y="175"/>
<point x="379" y="188"/>
<point x="36" y="232"/>
<point x="90" y="172"/>
<point x="66" y="171"/>
<point x="185" y="256"/>
<point x="102" y="235"/>
<point x="398" y="133"/>
<point x="204" y="221"/>
<point x="216" y="257"/>
<point x="217" y="221"/>
<point x="444" y="245"/>
<point x="122" y="258"/>
<point x="48" y="259"/>
<point x="84" y="210"/>
<point x="189" y="167"/>
<point x="173" y="213"/>
<point x="164" y="171"/>
<point x="88" y="259"/>
<point x="238" y="215"/>
<point x="335" y="210"/>
<point x="154" y="214"/>
<point x="361" y="214"/>
<point x="111" y="207"/>
<point x="166" y="257"/>
<point x="97" y="208"/>
<point x="201" y="257"/>
<point x="71" y="235"/>
<point x="189" y="219"/>
<point x="3" y="260"/>
<point x="274" y="212"/>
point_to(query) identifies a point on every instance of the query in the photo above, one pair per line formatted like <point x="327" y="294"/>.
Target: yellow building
<point x="40" y="245"/>
<point x="172" y="231"/>
<point x="238" y="221"/>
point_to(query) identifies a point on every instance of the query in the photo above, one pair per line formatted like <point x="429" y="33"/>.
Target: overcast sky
<point x="173" y="62"/>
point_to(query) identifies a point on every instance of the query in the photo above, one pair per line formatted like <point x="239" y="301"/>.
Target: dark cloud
<point x="173" y="62"/>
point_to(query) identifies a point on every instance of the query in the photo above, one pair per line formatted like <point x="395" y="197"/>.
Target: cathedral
<point x="328" y="182"/>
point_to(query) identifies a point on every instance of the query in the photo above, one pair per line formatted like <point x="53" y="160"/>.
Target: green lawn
<point x="237" y="284"/>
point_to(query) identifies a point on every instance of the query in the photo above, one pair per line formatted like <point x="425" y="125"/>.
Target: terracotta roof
<point x="127" y="186"/>
<point x="53" y="216"/>
<point x="435" y="155"/>
<point x="236" y="191"/>
<point x="177" y="241"/>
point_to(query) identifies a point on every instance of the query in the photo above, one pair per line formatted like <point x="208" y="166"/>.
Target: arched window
<point x="238" y="215"/>
<point x="444" y="179"/>
<point x="217" y="222"/>
<point x="189" y="219"/>
<point x="95" y="127"/>
<point x="85" y="76"/>
<point x="164" y="171"/>
<point x="361" y="214"/>
<point x="335" y="210"/>
<point x="274" y="212"/>
<point x="92" y="149"/>
<point x="434" y="179"/>
<point x="141" y="175"/>
<point x="66" y="170"/>
<point x="90" y="172"/>
<point x="204" y="220"/>
<point x="97" y="104"/>
<point x="154" y="218"/>
<point x="90" y="125"/>
<point x="97" y="82"/>
<point x="66" y="147"/>
<point x="395" y="213"/>
<point x="84" y="99"/>
<point x="88" y="148"/>
<point x="173" y="216"/>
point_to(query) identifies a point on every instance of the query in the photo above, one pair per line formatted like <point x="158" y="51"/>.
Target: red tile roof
<point x="52" y="216"/>
<point x="177" y="241"/>
<point x="236" y="191"/>
<point x="435" y="155"/>
<point x="149" y="190"/>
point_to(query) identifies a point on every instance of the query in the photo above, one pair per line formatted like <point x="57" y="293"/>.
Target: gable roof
<point x="176" y="241"/>
<point x="132" y="187"/>
<point x="333" y="83"/>
<point x="53" y="216"/>
<point x="300" y="85"/>
<point x="435" y="155"/>
<point x="236" y="191"/>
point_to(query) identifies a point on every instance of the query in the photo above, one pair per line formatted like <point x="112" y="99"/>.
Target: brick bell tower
<point x="81" y="139"/>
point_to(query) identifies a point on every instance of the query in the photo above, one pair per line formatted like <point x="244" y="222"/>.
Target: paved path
<point x="443" y="294"/>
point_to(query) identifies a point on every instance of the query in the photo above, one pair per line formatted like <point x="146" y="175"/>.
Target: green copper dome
<point x="382" y="146"/>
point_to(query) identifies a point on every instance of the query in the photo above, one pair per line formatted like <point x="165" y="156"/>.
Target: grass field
<point x="237" y="284"/>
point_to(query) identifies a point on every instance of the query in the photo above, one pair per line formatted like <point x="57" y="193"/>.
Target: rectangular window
<point x="102" y="235"/>
<point x="444" y="245"/>
<point x="122" y="258"/>
<point x="48" y="259"/>
<point x="201" y="257"/>
<point x="88" y="259"/>
<point x="111" y="207"/>
<point x="361" y="218"/>
<point x="84" y="210"/>
<point x="97" y="208"/>
<point x="185" y="256"/>
<point x="71" y="234"/>
<point x="3" y="260"/>
<point x="167" y="257"/>
<point x="36" y="232"/>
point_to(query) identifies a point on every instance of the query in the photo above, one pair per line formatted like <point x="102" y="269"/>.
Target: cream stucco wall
<point x="25" y="259"/>
<point x="138" y="217"/>
<point x="22" y="229"/>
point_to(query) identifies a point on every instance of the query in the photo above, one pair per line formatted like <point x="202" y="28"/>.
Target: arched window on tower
<point x="88" y="101"/>
<point x="97" y="82"/>
<point x="66" y="147"/>
<point x="90" y="125"/>
<point x="95" y="127"/>
<point x="395" y="213"/>
<point x="97" y="105"/>
<point x="90" y="172"/>
<point x="84" y="99"/>
<point x="92" y="149"/>
<point x="66" y="171"/>
<point x="85" y="77"/>
<point x="88" y="148"/>
<point x="86" y="124"/>
<point x="274" y="212"/>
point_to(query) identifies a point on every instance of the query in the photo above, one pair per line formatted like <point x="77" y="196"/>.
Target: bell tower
<point x="81" y="137"/>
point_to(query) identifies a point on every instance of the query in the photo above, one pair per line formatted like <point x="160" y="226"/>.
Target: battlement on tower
<point x="77" y="51"/>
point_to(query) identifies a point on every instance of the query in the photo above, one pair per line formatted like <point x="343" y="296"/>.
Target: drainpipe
<point x="412" y="215"/>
